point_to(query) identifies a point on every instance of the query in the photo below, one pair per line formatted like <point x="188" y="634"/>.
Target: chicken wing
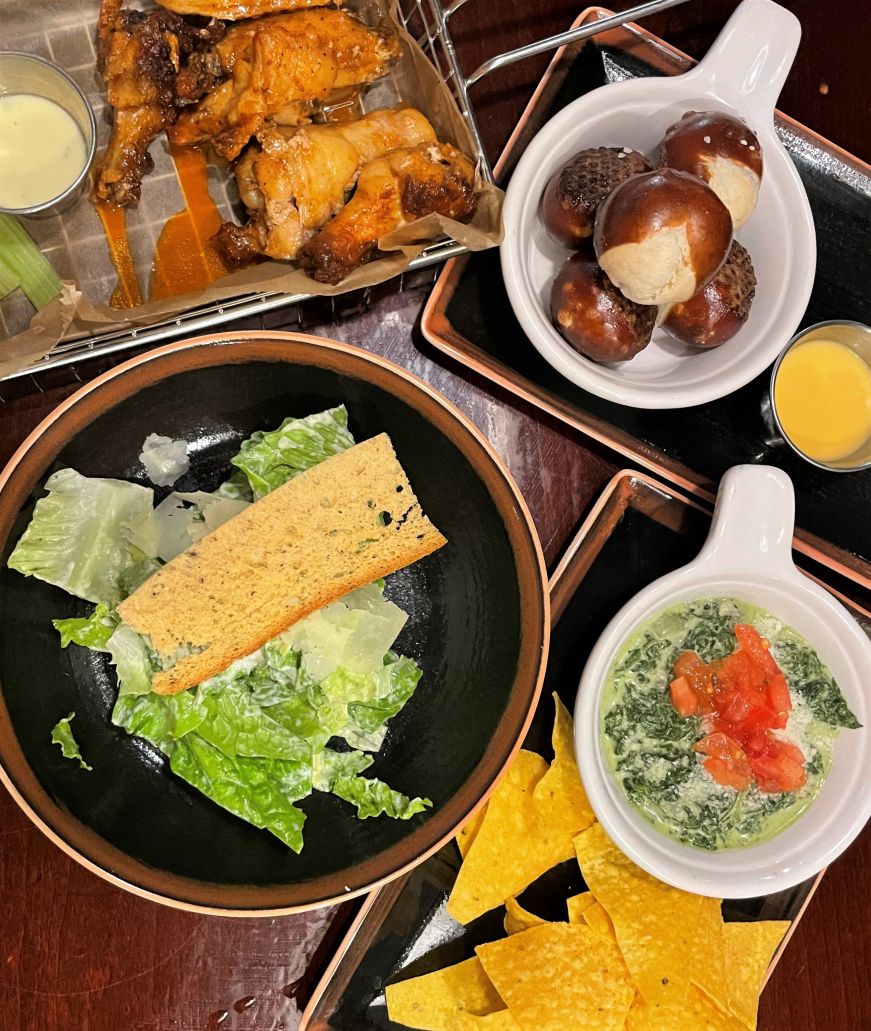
<point x="295" y="181"/>
<point x="140" y="56"/>
<point x="235" y="10"/>
<point x="278" y="66"/>
<point x="392" y="190"/>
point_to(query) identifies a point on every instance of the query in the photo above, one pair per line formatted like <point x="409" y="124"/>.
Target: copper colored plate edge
<point x="197" y="896"/>
<point x="568" y="576"/>
<point x="438" y="330"/>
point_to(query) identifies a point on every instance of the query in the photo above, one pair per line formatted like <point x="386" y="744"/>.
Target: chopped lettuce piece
<point x="135" y="576"/>
<point x="160" y="719"/>
<point x="374" y="797"/>
<point x="329" y="766"/>
<point x="261" y="791"/>
<point x="132" y="660"/>
<point x="370" y="716"/>
<point x="76" y="538"/>
<point x="236" y="488"/>
<point x="165" y="460"/>
<point x="91" y="631"/>
<point x="62" y="734"/>
<point x="270" y="459"/>
<point x="237" y="726"/>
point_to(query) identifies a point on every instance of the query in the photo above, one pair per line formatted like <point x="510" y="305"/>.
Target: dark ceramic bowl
<point x="478" y="627"/>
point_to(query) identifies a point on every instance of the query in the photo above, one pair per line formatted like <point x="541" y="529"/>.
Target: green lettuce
<point x="329" y="766"/>
<point x="77" y="536"/>
<point x="62" y="734"/>
<point x="92" y="631"/>
<point x="257" y="790"/>
<point x="337" y="773"/>
<point x="132" y="660"/>
<point x="237" y="726"/>
<point x="374" y="798"/>
<point x="160" y="719"/>
<point x="272" y="458"/>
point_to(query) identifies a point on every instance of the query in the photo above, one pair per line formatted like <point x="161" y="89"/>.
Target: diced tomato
<point x="790" y="750"/>
<point x="741" y="699"/>
<point x="719" y="745"/>
<point x="778" y="693"/>
<point x="779" y="773"/>
<point x="728" y="773"/>
<point x="683" y="697"/>
<point x="756" y="646"/>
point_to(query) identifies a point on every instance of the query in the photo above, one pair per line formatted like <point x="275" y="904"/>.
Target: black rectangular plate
<point x="640" y="530"/>
<point x="470" y="317"/>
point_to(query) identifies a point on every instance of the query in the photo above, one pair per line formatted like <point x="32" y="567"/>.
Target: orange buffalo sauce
<point x="186" y="259"/>
<point x="127" y="293"/>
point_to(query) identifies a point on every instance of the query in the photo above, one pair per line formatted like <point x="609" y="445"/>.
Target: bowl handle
<point x="751" y="58"/>
<point x="753" y="523"/>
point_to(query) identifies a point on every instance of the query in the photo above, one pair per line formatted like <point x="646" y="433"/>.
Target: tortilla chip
<point x="577" y="905"/>
<point x="596" y="917"/>
<point x="668" y="937"/>
<point x="501" y="1020"/>
<point x="519" y="919"/>
<point x="749" y="948"/>
<point x="469" y="831"/>
<point x="559" y="976"/>
<point x="513" y="846"/>
<point x="560" y="794"/>
<point x="434" y="1001"/>
<point x="697" y="1013"/>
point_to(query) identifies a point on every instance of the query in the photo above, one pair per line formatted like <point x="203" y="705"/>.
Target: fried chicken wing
<point x="279" y="66"/>
<point x="295" y="181"/>
<point x="235" y="10"/>
<point x="392" y="190"/>
<point x="140" y="56"/>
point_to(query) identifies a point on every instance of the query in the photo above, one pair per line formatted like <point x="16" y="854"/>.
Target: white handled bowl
<point x="748" y="555"/>
<point x="742" y="74"/>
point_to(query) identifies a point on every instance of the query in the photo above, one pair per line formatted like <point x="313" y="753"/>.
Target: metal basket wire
<point x="428" y="21"/>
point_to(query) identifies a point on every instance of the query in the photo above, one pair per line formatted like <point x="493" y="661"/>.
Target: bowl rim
<point x="109" y="862"/>
<point x="90" y="145"/>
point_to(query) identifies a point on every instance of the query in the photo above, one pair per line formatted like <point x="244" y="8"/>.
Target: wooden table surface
<point x="79" y="955"/>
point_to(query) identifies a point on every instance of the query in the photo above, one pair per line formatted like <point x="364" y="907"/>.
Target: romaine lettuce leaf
<point x="328" y="766"/>
<point x="237" y="726"/>
<point x="91" y="631"/>
<point x="369" y="717"/>
<point x="272" y="458"/>
<point x="62" y="735"/>
<point x="337" y="773"/>
<point x="261" y="791"/>
<point x="132" y="660"/>
<point x="76" y="539"/>
<point x="135" y="576"/>
<point x="160" y="719"/>
<point x="374" y="797"/>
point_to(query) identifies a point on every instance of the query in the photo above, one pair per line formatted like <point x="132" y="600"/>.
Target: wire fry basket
<point x="428" y="21"/>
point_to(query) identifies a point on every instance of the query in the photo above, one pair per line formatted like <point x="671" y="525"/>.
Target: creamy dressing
<point x="42" y="150"/>
<point x="649" y="747"/>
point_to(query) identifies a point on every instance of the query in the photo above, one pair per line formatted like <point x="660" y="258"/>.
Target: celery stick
<point x="24" y="260"/>
<point x="8" y="279"/>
